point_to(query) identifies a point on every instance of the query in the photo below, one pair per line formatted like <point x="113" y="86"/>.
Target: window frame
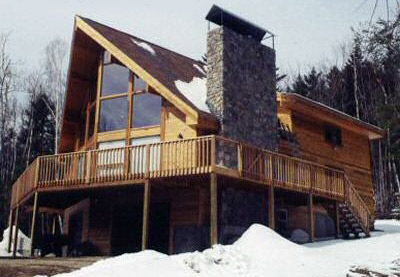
<point x="333" y="135"/>
<point x="129" y="132"/>
<point x="148" y="91"/>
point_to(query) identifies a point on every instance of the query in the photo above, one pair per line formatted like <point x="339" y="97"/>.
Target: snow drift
<point x="262" y="252"/>
<point x="24" y="243"/>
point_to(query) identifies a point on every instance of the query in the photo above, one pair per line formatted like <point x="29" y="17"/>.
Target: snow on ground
<point x="24" y="243"/>
<point x="195" y="91"/>
<point x="262" y="252"/>
<point x="145" y="46"/>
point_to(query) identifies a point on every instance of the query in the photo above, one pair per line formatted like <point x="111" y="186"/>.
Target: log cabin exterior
<point x="165" y="152"/>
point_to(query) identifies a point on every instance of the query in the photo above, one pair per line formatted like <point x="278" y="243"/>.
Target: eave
<point x="301" y="104"/>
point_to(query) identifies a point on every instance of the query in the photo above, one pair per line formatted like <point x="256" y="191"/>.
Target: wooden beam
<point x="33" y="225"/>
<point x="16" y="231"/>
<point x="271" y="207"/>
<point x="214" y="209"/>
<point x="337" y="220"/>
<point x="146" y="211"/>
<point x="10" y="228"/>
<point x="311" y="217"/>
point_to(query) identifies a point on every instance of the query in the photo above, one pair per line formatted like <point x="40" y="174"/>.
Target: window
<point x="114" y="95"/>
<point x="115" y="79"/>
<point x="333" y="135"/>
<point x="146" y="110"/>
<point x="114" y="114"/>
<point x="145" y="140"/>
<point x="123" y="91"/>
<point x="138" y="158"/>
<point x="92" y="118"/>
<point x="139" y="85"/>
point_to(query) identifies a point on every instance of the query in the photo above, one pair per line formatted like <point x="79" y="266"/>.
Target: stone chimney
<point x="241" y="81"/>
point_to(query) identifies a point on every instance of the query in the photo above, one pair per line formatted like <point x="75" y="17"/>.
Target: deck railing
<point x="187" y="157"/>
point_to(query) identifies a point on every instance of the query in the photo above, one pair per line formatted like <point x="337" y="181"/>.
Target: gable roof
<point x="310" y="107"/>
<point x="167" y="71"/>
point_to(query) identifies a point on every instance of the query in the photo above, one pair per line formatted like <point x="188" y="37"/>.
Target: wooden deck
<point x="189" y="157"/>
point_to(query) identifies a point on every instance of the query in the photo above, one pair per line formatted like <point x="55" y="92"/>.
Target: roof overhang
<point x="301" y="104"/>
<point x="194" y="117"/>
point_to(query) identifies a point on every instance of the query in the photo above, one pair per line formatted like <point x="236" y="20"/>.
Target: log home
<point x="165" y="152"/>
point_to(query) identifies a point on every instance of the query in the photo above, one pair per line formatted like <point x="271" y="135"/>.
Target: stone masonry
<point x="241" y="87"/>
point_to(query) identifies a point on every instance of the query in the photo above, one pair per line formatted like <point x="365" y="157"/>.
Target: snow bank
<point x="24" y="243"/>
<point x="262" y="252"/>
<point x="145" y="46"/>
<point x="195" y="91"/>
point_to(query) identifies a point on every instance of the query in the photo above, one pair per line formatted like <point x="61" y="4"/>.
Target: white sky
<point x="308" y="31"/>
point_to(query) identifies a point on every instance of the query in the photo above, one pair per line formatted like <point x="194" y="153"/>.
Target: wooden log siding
<point x="182" y="158"/>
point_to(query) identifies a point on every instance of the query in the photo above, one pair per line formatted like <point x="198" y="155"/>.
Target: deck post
<point x="271" y="207"/>
<point x="214" y="209"/>
<point x="33" y="225"/>
<point x="311" y="216"/>
<point x="146" y="211"/>
<point x="16" y="231"/>
<point x="337" y="220"/>
<point x="10" y="230"/>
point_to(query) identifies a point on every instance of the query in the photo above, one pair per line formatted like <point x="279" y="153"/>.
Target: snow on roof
<point x="145" y="46"/>
<point x="195" y="91"/>
<point x="262" y="252"/>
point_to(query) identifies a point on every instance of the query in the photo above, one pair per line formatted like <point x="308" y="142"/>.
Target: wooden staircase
<point x="351" y="226"/>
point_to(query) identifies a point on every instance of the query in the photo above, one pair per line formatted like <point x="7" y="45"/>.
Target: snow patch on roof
<point x="195" y="91"/>
<point x="201" y="70"/>
<point x="145" y="46"/>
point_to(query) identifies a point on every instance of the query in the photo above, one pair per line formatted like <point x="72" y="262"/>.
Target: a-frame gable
<point x="87" y="26"/>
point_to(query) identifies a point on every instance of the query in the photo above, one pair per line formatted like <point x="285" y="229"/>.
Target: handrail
<point x="188" y="157"/>
<point x="292" y="173"/>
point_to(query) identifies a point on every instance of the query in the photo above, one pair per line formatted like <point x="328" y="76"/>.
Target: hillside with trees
<point x="367" y="86"/>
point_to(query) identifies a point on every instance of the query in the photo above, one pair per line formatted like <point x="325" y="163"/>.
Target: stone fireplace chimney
<point x="241" y="80"/>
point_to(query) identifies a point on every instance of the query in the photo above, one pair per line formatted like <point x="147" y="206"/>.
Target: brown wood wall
<point x="353" y="156"/>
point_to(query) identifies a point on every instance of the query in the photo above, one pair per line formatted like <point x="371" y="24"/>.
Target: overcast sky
<point x="308" y="31"/>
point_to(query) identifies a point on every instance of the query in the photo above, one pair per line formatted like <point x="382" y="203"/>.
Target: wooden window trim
<point x="129" y="132"/>
<point x="112" y="96"/>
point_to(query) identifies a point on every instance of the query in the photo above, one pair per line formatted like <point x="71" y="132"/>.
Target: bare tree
<point x="8" y="123"/>
<point x="55" y="64"/>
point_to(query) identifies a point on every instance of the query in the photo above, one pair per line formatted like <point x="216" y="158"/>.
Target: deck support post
<point x="33" y="224"/>
<point x="311" y="216"/>
<point x="16" y="231"/>
<point x="337" y="220"/>
<point x="10" y="229"/>
<point x="271" y="207"/>
<point x="214" y="209"/>
<point x="146" y="211"/>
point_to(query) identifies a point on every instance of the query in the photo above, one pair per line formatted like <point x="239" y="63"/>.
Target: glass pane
<point x="92" y="116"/>
<point x="115" y="79"/>
<point x="146" y="110"/>
<point x="145" y="140"/>
<point x="139" y="85"/>
<point x="114" y="114"/>
<point x="138" y="157"/>
<point x="106" y="57"/>
<point x="111" y="144"/>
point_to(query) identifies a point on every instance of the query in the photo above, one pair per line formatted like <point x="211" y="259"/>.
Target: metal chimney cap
<point x="237" y="24"/>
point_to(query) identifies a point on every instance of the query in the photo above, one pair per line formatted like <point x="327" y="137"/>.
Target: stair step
<point x="350" y="225"/>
